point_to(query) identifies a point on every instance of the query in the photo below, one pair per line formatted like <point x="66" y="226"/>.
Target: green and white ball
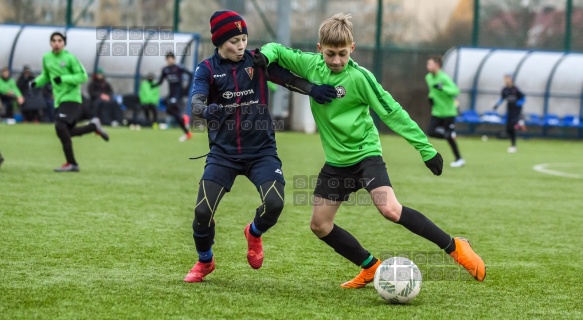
<point x="398" y="280"/>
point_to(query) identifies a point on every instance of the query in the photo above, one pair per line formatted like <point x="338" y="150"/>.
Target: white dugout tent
<point x="551" y="81"/>
<point x="125" y="54"/>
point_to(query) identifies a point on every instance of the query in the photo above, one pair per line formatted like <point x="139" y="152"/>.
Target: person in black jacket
<point x="34" y="102"/>
<point x="232" y="95"/>
<point x="102" y="103"/>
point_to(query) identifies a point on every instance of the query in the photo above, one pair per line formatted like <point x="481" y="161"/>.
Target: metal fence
<point x="393" y="37"/>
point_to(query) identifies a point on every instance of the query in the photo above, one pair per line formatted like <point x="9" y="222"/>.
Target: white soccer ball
<point x="398" y="280"/>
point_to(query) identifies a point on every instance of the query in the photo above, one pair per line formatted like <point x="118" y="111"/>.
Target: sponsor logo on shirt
<point x="340" y="92"/>
<point x="230" y="94"/>
<point x="249" y="72"/>
<point x="219" y="75"/>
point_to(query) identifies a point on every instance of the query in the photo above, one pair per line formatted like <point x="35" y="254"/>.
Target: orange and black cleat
<point x="365" y="277"/>
<point x="465" y="256"/>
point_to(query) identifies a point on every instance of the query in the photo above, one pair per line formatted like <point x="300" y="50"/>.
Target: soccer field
<point x="115" y="241"/>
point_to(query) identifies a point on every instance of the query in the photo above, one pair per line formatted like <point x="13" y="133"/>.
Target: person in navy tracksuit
<point x="514" y="102"/>
<point x="232" y="95"/>
<point x="173" y="73"/>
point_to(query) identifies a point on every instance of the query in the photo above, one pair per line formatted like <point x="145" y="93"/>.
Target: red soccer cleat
<point x="67" y="167"/>
<point x="199" y="271"/>
<point x="254" y="249"/>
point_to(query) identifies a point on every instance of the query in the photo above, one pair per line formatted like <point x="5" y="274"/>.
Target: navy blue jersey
<point x="513" y="96"/>
<point x="247" y="130"/>
<point x="174" y="75"/>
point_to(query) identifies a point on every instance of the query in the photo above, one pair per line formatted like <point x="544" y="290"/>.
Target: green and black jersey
<point x="444" y="99"/>
<point x="72" y="73"/>
<point x="346" y="128"/>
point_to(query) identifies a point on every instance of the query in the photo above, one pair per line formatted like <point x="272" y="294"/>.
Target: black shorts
<point x="447" y="123"/>
<point x="258" y="170"/>
<point x="71" y="112"/>
<point x="337" y="183"/>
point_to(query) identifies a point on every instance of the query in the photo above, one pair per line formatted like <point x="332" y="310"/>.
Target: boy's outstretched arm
<point x="321" y="93"/>
<point x="296" y="61"/>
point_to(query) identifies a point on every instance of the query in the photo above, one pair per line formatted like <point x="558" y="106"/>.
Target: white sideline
<point x="542" y="168"/>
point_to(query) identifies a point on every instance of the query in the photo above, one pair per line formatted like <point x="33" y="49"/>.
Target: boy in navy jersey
<point x="173" y="74"/>
<point x="232" y="95"/>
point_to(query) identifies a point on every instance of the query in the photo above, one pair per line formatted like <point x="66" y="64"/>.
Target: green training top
<point x="72" y="73"/>
<point x="346" y="128"/>
<point x="149" y="94"/>
<point x="444" y="99"/>
<point x="9" y="85"/>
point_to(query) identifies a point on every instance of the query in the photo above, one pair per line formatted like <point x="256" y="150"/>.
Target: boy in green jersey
<point x="353" y="150"/>
<point x="9" y="92"/>
<point x="442" y="93"/>
<point x="66" y="74"/>
<point x="149" y="97"/>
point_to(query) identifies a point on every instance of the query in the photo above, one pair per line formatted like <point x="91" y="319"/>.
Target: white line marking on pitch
<point x="543" y="168"/>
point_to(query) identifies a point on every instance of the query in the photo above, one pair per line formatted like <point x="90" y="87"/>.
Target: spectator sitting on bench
<point x="149" y="97"/>
<point x="34" y="103"/>
<point x="102" y="103"/>
<point x="8" y="94"/>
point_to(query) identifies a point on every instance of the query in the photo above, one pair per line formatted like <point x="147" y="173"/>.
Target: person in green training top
<point x="66" y="74"/>
<point x="442" y="93"/>
<point x="8" y="93"/>
<point x="149" y="97"/>
<point x="353" y="150"/>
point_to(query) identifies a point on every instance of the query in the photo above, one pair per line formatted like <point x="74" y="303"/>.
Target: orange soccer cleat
<point x="465" y="256"/>
<point x="365" y="277"/>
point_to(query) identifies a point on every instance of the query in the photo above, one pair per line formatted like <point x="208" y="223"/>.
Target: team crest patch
<point x="340" y="92"/>
<point x="238" y="24"/>
<point x="249" y="72"/>
<point x="62" y="64"/>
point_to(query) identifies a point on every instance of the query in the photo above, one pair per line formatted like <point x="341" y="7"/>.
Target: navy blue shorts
<point x="258" y="170"/>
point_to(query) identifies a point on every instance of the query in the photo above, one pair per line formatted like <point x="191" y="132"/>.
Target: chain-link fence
<point x="410" y="30"/>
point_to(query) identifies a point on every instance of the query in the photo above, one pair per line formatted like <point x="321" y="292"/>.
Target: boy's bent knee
<point x="321" y="229"/>
<point x="392" y="213"/>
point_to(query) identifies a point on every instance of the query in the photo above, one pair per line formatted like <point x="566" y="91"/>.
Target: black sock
<point x="451" y="247"/>
<point x="454" y="148"/>
<point x="371" y="263"/>
<point x="419" y="224"/>
<point x="346" y="245"/>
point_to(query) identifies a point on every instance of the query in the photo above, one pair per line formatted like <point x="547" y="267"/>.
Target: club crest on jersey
<point x="249" y="72"/>
<point x="62" y="64"/>
<point x="340" y="92"/>
<point x="238" y="24"/>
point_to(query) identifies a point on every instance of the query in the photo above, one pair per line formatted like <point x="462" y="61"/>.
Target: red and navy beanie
<point x="225" y="25"/>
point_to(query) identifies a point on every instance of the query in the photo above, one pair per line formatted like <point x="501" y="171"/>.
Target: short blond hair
<point x="336" y="31"/>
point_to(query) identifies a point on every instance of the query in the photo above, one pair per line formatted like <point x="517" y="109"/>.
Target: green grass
<point x="114" y="241"/>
